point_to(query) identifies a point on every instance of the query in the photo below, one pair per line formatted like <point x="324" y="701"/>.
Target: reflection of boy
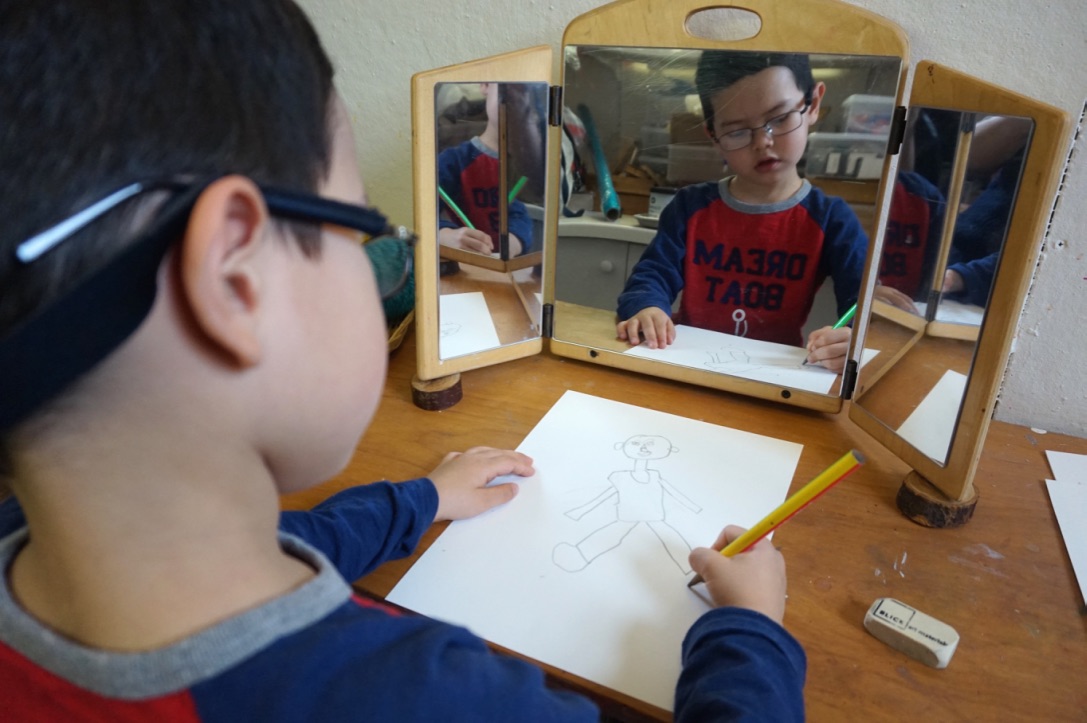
<point x="750" y="252"/>
<point x="912" y="238"/>
<point x="468" y="173"/>
<point x="147" y="578"/>
<point x="979" y="235"/>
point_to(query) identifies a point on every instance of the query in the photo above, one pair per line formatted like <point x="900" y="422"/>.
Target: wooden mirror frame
<point x="802" y="26"/>
<point x="437" y="381"/>
<point x="943" y="495"/>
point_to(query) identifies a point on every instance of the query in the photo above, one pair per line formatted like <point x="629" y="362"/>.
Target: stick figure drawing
<point x="639" y="498"/>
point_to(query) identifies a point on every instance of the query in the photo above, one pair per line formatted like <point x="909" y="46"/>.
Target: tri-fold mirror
<point x="548" y="206"/>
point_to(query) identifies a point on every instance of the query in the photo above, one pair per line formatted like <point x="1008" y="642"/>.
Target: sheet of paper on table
<point x="1068" y="494"/>
<point x="465" y="325"/>
<point x="586" y="568"/>
<point x="955" y="312"/>
<point x="762" y="361"/>
<point x="931" y="425"/>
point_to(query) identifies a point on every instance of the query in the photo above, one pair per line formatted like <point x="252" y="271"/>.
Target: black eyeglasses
<point x="389" y="247"/>
<point x="67" y="337"/>
<point x="776" y="126"/>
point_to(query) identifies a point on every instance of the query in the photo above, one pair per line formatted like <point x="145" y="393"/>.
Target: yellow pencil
<point x="833" y="474"/>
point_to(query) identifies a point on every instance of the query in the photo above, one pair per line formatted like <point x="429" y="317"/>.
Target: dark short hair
<point x="718" y="69"/>
<point x="98" y="94"/>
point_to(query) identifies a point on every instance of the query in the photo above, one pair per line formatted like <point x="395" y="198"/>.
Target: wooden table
<point x="1003" y="581"/>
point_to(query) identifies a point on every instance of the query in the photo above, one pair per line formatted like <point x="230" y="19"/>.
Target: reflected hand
<point x="652" y="323"/>
<point x="469" y="239"/>
<point x="953" y="282"/>
<point x="462" y="481"/>
<point x="754" y="579"/>
<point x="894" y="297"/>
<point x="517" y="246"/>
<point x="828" y="347"/>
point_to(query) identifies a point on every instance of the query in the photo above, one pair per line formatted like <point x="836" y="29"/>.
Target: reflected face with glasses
<point x="760" y="125"/>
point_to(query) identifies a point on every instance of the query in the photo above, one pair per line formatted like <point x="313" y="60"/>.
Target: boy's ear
<point x="219" y="280"/>
<point x="817" y="93"/>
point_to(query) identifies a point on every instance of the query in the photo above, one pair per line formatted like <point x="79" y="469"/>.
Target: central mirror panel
<point x="647" y="165"/>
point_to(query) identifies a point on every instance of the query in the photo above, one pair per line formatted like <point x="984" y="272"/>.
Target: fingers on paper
<point x="463" y="480"/>
<point x="652" y="324"/>
<point x="828" y="347"/>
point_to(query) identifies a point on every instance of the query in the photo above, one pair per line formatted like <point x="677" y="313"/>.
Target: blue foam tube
<point x="609" y="199"/>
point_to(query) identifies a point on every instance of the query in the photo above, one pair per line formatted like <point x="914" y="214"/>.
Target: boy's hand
<point x="461" y="480"/>
<point x="652" y="323"/>
<point x="953" y="282"/>
<point x="828" y="347"/>
<point x="517" y="246"/>
<point x="894" y="297"/>
<point x="469" y="239"/>
<point x="754" y="579"/>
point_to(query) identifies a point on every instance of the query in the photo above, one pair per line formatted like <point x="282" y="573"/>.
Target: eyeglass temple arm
<point x="38" y="244"/>
<point x="323" y="210"/>
<point x="280" y="202"/>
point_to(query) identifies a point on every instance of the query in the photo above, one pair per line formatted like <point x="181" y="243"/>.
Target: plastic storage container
<point x="868" y="114"/>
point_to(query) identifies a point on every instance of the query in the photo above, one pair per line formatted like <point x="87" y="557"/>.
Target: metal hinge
<point x="898" y="131"/>
<point x="554" y="106"/>
<point x="548" y="320"/>
<point x="849" y="379"/>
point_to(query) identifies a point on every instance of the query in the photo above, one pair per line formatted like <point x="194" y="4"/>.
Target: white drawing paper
<point x="955" y="312"/>
<point x="1068" y="467"/>
<point x="931" y="425"/>
<point x="763" y="361"/>
<point x="586" y="568"/>
<point x="1069" y="499"/>
<point x="1068" y="494"/>
<point x="465" y="325"/>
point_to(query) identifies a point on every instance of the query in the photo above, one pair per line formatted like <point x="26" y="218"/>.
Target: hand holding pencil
<point x="753" y="580"/>
<point x="718" y="576"/>
<point x="829" y="345"/>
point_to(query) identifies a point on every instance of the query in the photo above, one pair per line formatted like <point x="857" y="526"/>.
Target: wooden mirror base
<point x="435" y="395"/>
<point x="919" y="500"/>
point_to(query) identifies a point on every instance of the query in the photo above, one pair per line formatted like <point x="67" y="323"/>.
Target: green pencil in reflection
<point x="846" y="317"/>
<point x="517" y="188"/>
<point x="454" y="207"/>
<point x="461" y="215"/>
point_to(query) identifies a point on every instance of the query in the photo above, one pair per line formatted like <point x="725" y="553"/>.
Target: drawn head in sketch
<point x="646" y="446"/>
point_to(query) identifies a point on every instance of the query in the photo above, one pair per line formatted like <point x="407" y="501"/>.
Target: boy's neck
<point x="763" y="193"/>
<point x="489" y="137"/>
<point x="88" y="570"/>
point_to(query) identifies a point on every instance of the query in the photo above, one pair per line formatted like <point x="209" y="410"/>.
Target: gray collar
<point x="134" y="676"/>
<point x="744" y="207"/>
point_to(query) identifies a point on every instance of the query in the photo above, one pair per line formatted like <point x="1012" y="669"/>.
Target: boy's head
<point x="100" y="94"/>
<point x="754" y="101"/>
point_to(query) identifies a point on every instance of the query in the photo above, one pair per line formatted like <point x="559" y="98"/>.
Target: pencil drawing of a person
<point x="639" y="498"/>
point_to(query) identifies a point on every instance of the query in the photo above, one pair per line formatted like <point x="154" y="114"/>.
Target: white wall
<point x="1038" y="49"/>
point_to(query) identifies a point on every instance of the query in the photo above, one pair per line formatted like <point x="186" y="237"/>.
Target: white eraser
<point x="909" y="630"/>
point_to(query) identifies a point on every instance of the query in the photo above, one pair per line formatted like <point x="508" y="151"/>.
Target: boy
<point x="468" y="173"/>
<point x="169" y="367"/>
<point x="750" y="252"/>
